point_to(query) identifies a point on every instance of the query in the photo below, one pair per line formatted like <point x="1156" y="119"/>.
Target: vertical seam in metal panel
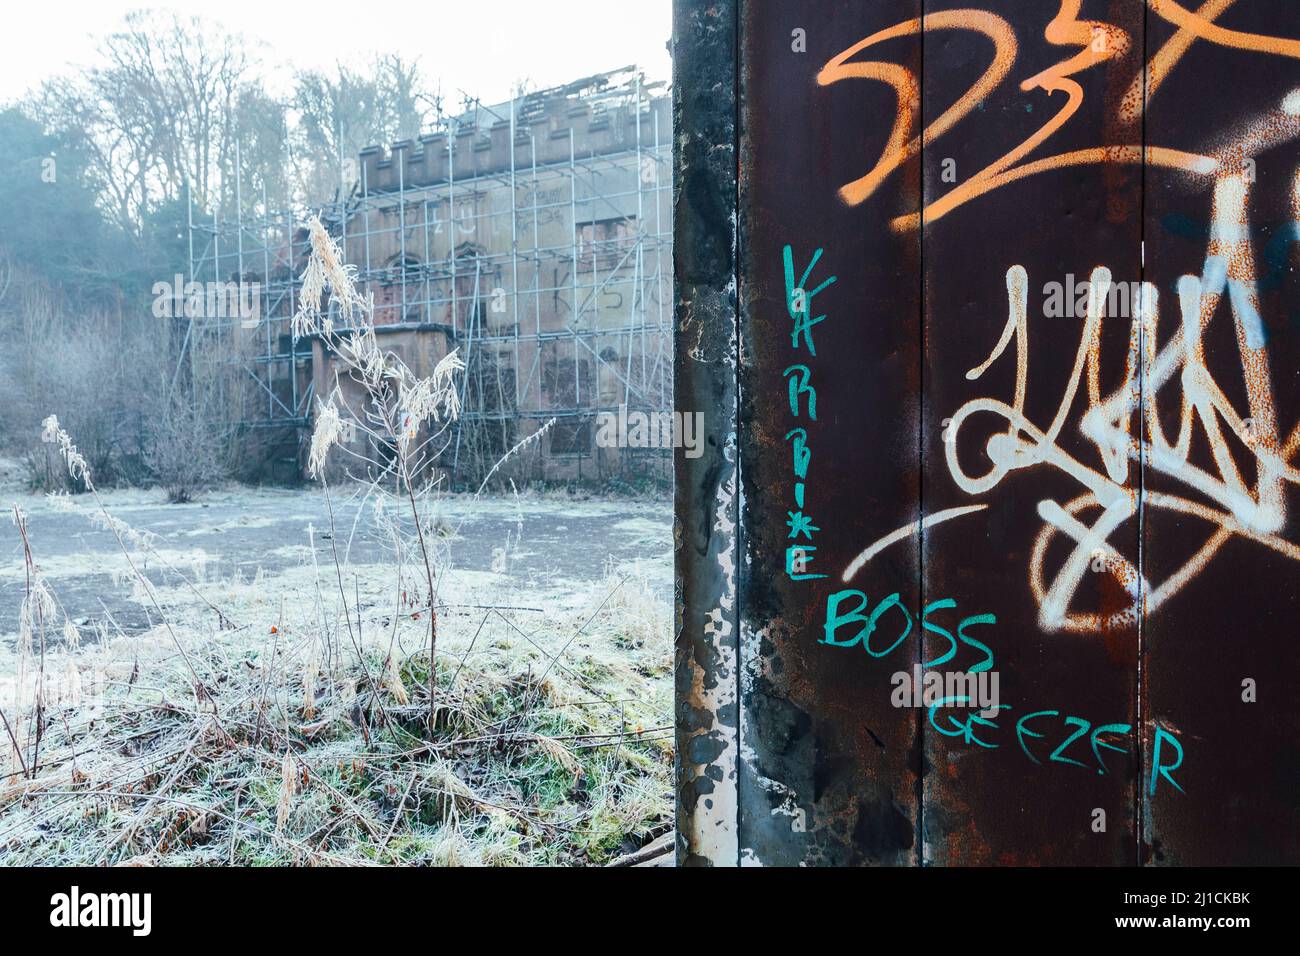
<point x="1139" y="817"/>
<point x="920" y="454"/>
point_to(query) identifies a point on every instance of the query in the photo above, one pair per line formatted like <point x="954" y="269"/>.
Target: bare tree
<point x="162" y="113"/>
<point x="341" y="113"/>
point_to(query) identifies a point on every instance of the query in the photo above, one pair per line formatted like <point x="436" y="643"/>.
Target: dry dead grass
<point x="551" y="742"/>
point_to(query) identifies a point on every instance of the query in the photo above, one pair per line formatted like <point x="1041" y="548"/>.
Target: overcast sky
<point x="480" y="46"/>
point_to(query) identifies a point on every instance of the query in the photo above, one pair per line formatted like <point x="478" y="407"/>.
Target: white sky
<point x="480" y="46"/>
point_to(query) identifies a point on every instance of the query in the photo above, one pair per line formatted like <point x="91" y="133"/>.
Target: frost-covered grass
<point x="551" y="740"/>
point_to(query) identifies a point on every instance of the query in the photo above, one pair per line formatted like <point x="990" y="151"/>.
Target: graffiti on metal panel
<point x="1097" y="42"/>
<point x="803" y="405"/>
<point x="1228" y="505"/>
<point x="1008" y="452"/>
<point x="1101" y="441"/>
<point x="960" y="716"/>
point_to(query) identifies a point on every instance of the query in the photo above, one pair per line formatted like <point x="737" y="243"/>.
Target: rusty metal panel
<point x="829" y="417"/>
<point x="1002" y="389"/>
<point x="1004" y="431"/>
<point x="1220" y="537"/>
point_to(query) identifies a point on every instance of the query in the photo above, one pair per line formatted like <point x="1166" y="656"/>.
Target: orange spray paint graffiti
<point x="1098" y="43"/>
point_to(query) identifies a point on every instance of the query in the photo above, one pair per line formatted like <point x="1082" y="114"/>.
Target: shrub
<point x="184" y="450"/>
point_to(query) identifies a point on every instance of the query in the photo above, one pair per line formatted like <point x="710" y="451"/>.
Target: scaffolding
<point x="534" y="236"/>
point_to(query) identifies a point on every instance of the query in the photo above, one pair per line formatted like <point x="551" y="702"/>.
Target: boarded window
<point x="566" y="384"/>
<point x="605" y="243"/>
<point x="571" y="437"/>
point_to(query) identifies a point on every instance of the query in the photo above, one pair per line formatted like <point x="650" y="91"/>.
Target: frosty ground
<point x="553" y="545"/>
<point x="308" y="738"/>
